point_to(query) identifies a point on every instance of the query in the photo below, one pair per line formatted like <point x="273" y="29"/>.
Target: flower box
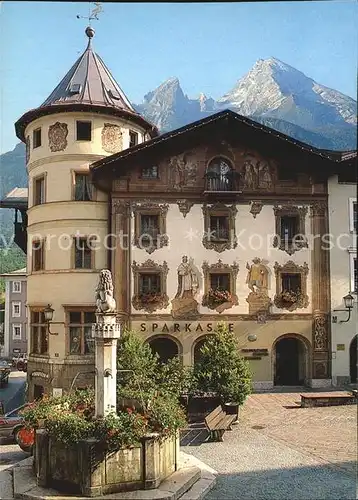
<point x="91" y="470"/>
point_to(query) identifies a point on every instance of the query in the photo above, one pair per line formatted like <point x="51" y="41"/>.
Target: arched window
<point x="219" y="175"/>
<point x="165" y="347"/>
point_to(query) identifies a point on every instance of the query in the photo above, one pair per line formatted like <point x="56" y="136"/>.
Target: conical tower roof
<point x="88" y="86"/>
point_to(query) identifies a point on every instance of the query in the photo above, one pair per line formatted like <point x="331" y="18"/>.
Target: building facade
<point x="342" y="190"/>
<point x="221" y="220"/>
<point x="15" y="320"/>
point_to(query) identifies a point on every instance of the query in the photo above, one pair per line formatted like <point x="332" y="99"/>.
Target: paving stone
<point x="281" y="451"/>
<point x="6" y="488"/>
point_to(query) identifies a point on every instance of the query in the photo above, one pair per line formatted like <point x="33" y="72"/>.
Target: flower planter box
<point x="232" y="409"/>
<point x="200" y="406"/>
<point x="88" y="469"/>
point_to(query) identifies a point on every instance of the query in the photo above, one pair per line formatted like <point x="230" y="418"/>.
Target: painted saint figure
<point x="257" y="276"/>
<point x="187" y="280"/>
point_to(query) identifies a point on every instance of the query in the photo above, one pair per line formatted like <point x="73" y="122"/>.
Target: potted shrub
<point x="222" y="370"/>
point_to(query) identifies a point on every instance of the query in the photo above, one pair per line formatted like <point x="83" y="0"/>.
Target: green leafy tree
<point x="175" y="378"/>
<point x="221" y="369"/>
<point x="137" y="367"/>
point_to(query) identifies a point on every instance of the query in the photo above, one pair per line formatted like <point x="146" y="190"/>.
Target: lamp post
<point x="348" y="304"/>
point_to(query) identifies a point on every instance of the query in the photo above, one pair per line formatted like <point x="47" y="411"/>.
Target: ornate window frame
<point x="150" y="208"/>
<point x="219" y="210"/>
<point x="291" y="267"/>
<point x="300" y="240"/>
<point x="220" y="268"/>
<point x="147" y="267"/>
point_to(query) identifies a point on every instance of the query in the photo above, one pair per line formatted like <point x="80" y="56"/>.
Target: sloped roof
<point x="18" y="272"/>
<point x="88" y="86"/>
<point x="17" y="198"/>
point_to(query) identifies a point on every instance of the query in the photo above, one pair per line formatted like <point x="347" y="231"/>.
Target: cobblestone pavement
<point x="279" y="450"/>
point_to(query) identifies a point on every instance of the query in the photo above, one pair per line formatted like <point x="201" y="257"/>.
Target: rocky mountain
<point x="273" y="93"/>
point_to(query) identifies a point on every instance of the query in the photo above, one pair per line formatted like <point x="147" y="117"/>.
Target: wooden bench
<point x="217" y="422"/>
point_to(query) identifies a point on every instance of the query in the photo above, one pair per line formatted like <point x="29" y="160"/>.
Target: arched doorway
<point x="197" y="346"/>
<point x="290" y="361"/>
<point x="165" y="347"/>
<point x="353" y="361"/>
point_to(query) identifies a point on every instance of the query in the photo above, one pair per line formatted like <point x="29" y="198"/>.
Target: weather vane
<point x="92" y="15"/>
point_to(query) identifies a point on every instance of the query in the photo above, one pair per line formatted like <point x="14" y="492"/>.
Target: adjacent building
<point x="220" y="220"/>
<point x="15" y="320"/>
<point x="342" y="196"/>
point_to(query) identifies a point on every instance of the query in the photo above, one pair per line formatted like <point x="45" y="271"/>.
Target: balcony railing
<point x="221" y="183"/>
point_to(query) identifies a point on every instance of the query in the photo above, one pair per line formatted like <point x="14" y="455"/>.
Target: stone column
<point x="321" y="359"/>
<point x="106" y="331"/>
<point x="120" y="257"/>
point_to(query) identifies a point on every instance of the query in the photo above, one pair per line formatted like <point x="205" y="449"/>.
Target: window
<point x="16" y="286"/>
<point x="83" y="187"/>
<point x="36" y="138"/>
<point x="39" y="190"/>
<point x="150" y="172"/>
<point x="291" y="282"/>
<point x="290" y="224"/>
<point x="38" y="255"/>
<point x="83" y="131"/>
<point x="133" y="138"/>
<point x="83" y="253"/>
<point x="80" y="331"/>
<point x="353" y="216"/>
<point x="220" y="281"/>
<point x="220" y="285"/>
<point x="16" y="332"/>
<point x="289" y="227"/>
<point x="220" y="175"/>
<point x="219" y="228"/>
<point x="16" y="309"/>
<point x="149" y="284"/>
<point x="149" y="229"/>
<point x="38" y="332"/>
<point x="353" y="271"/>
<point x="291" y="286"/>
<point x="150" y="225"/>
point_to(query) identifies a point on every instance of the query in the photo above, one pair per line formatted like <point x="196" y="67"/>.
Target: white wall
<point x="249" y="230"/>
<point x="340" y="267"/>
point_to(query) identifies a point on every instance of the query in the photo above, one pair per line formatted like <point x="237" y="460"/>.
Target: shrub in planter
<point x="221" y="369"/>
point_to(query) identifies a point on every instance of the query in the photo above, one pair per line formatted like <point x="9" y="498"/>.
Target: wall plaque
<point x="341" y="347"/>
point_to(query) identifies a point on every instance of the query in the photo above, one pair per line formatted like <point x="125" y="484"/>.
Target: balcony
<point x="222" y="184"/>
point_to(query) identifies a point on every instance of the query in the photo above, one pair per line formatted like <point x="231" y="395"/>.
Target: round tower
<point x="86" y="117"/>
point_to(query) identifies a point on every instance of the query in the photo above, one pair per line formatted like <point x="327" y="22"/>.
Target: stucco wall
<point x="254" y="240"/>
<point x="340" y="265"/>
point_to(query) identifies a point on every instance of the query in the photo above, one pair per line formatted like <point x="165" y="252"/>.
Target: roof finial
<point x="89" y="32"/>
<point x="91" y="16"/>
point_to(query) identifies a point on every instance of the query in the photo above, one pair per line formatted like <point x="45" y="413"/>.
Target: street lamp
<point x="48" y="313"/>
<point x="348" y="303"/>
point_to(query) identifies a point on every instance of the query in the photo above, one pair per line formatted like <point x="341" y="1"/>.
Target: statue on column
<point x="104" y="293"/>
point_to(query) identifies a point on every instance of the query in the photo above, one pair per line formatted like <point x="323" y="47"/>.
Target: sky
<point x="208" y="46"/>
